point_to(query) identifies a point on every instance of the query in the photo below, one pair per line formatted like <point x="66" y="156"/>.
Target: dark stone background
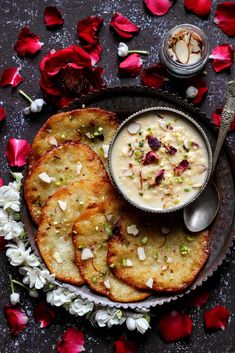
<point x="14" y="15"/>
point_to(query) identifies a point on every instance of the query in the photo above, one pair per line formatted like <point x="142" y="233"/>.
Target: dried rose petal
<point x="222" y="57"/>
<point x="175" y="326"/>
<point x="216" y="318"/>
<point x="200" y="7"/>
<point x="154" y="76"/>
<point x="94" y="50"/>
<point x="44" y="313"/>
<point x="158" y="7"/>
<point x="216" y="117"/>
<point x="184" y="164"/>
<point x="52" y="17"/>
<point x="1" y="182"/>
<point x="3" y="113"/>
<point x="2" y="241"/>
<point x="150" y="157"/>
<point x="153" y="142"/>
<point x="171" y="150"/>
<point x="72" y="341"/>
<point x="11" y="77"/>
<point x="88" y="29"/>
<point x="17" y="152"/>
<point x="202" y="90"/>
<point x="225" y="17"/>
<point x="131" y="66"/>
<point x="198" y="298"/>
<point x="28" y="43"/>
<point x="122" y="26"/>
<point x="123" y="346"/>
<point x="159" y="176"/>
<point x="16" y="319"/>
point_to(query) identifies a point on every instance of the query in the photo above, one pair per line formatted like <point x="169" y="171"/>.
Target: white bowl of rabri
<point x="160" y="159"/>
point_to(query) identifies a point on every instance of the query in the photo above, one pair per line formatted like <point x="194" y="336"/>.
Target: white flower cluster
<point x="60" y="296"/>
<point x="80" y="307"/>
<point x="36" y="278"/>
<point x="19" y="255"/>
<point x="10" y="197"/>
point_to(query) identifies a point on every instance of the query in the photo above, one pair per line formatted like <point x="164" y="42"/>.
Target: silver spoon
<point x="200" y="214"/>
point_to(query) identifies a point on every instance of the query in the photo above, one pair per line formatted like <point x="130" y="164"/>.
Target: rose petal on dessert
<point x="88" y="28"/>
<point x="216" y="318"/>
<point x="44" y="313"/>
<point x="150" y="157"/>
<point x="154" y="76"/>
<point x="159" y="176"/>
<point x="200" y="8"/>
<point x="184" y="164"/>
<point x="153" y="142"/>
<point x="3" y="242"/>
<point x="222" y="57"/>
<point x="3" y="113"/>
<point x="131" y="66"/>
<point x="124" y="346"/>
<point x="171" y="150"/>
<point x="198" y="298"/>
<point x="16" y="319"/>
<point x="11" y="76"/>
<point x="17" y="152"/>
<point x="28" y="43"/>
<point x="72" y="341"/>
<point x="202" y="88"/>
<point x="133" y="128"/>
<point x="175" y="326"/>
<point x="181" y="51"/>
<point x="94" y="50"/>
<point x="225" y="17"/>
<point x="158" y="7"/>
<point x="216" y="118"/>
<point x="52" y="17"/>
<point x="122" y="26"/>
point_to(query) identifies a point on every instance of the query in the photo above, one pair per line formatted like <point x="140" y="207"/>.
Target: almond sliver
<point x="194" y="58"/>
<point x="182" y="52"/>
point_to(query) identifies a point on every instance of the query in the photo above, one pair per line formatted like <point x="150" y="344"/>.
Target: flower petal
<point x="1" y="182"/>
<point x="154" y="76"/>
<point x="216" y="117"/>
<point x="44" y="313"/>
<point x="175" y="326"/>
<point x="202" y="90"/>
<point x="131" y="66"/>
<point x="16" y="319"/>
<point x="216" y="318"/>
<point x="11" y="77"/>
<point x="158" y="7"/>
<point x="225" y="17"/>
<point x="222" y="57"/>
<point x="17" y="152"/>
<point x="28" y="43"/>
<point x="122" y="26"/>
<point x="94" y="50"/>
<point x="198" y="298"/>
<point x="200" y="7"/>
<point x="88" y="29"/>
<point x="72" y="341"/>
<point x="52" y="17"/>
<point x="3" y="113"/>
<point x="123" y="346"/>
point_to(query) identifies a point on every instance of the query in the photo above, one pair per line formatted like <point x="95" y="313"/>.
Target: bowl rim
<point x="184" y="116"/>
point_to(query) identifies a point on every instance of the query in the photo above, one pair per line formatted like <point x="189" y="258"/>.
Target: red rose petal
<point x="158" y="7"/>
<point x="16" y="319"/>
<point x="3" y="113"/>
<point x="123" y="346"/>
<point x="11" y="77"/>
<point x="216" y="117"/>
<point x="225" y="17"/>
<point x="94" y="50"/>
<point x="179" y="169"/>
<point x="154" y="76"/>
<point x="88" y="28"/>
<point x="216" y="318"/>
<point x="200" y="7"/>
<point x="52" y="17"/>
<point x="72" y="341"/>
<point x="123" y="27"/>
<point x="2" y="240"/>
<point x="17" y="152"/>
<point x="1" y="182"/>
<point x="131" y="66"/>
<point x="28" y="43"/>
<point x="198" y="298"/>
<point x="44" y="313"/>
<point x="222" y="57"/>
<point x="175" y="326"/>
<point x="202" y="90"/>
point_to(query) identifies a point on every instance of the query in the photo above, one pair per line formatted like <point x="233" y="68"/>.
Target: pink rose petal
<point x="131" y="66"/>
<point x="3" y="113"/>
<point x="175" y="326"/>
<point x="17" y="152"/>
<point x="44" y="313"/>
<point x="225" y="17"/>
<point x="158" y="7"/>
<point x="122" y="26"/>
<point x="11" y="77"/>
<point x="222" y="57"/>
<point x="199" y="7"/>
<point x="52" y="17"/>
<point x="16" y="319"/>
<point x="72" y="341"/>
<point x="216" y="318"/>
<point x="28" y="43"/>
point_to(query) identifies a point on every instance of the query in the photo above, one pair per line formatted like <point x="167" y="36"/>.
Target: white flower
<point x="142" y="325"/>
<point x="33" y="293"/>
<point x="130" y="324"/>
<point x="18" y="255"/>
<point x="17" y="176"/>
<point x="122" y="49"/>
<point x="35" y="106"/>
<point x="38" y="278"/>
<point x="60" y="296"/>
<point x="3" y="215"/>
<point x="14" y="298"/>
<point x="80" y="307"/>
<point x="10" y="197"/>
<point x="11" y="229"/>
<point x="138" y="322"/>
<point x="109" y="317"/>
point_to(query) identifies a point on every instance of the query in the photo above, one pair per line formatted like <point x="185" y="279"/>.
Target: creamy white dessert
<point x="159" y="160"/>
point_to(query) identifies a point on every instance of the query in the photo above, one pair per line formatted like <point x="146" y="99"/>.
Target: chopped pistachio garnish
<point x="144" y="240"/>
<point x="190" y="238"/>
<point x="123" y="262"/>
<point x="108" y="229"/>
<point x="183" y="250"/>
<point x="94" y="279"/>
<point x="155" y="255"/>
<point x="187" y="189"/>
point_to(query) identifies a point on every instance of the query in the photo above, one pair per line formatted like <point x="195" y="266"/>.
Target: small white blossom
<point x="33" y="293"/>
<point x="18" y="255"/>
<point x="142" y="325"/>
<point x="11" y="229"/>
<point x="35" y="106"/>
<point x="60" y="296"/>
<point x="14" y="298"/>
<point x="109" y="317"/>
<point x="138" y="322"/>
<point x="80" y="307"/>
<point x="10" y="197"/>
<point x="38" y="278"/>
<point x="3" y="215"/>
<point x="130" y="324"/>
<point x="122" y="49"/>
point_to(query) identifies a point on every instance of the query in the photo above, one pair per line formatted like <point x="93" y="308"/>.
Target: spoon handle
<point x="226" y="119"/>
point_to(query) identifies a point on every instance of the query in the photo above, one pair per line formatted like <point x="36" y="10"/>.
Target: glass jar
<point x="169" y="58"/>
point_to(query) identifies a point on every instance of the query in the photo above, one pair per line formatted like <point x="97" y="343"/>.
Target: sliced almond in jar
<point x="182" y="52"/>
<point x="187" y="38"/>
<point x="172" y="54"/>
<point x="194" y="58"/>
<point x="195" y="44"/>
<point x="133" y="128"/>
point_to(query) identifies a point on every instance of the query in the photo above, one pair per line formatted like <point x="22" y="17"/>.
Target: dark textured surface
<point x="15" y="14"/>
